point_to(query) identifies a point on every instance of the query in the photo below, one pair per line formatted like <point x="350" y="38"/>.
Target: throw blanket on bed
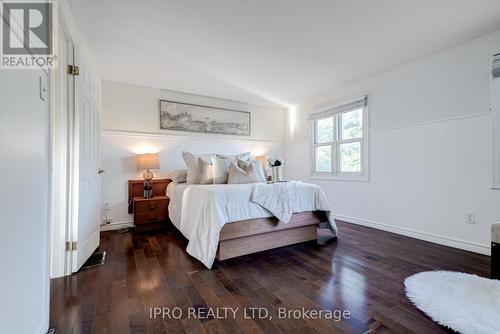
<point x="201" y="211"/>
<point x="276" y="197"/>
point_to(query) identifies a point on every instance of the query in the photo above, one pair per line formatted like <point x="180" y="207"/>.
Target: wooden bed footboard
<point x="256" y="235"/>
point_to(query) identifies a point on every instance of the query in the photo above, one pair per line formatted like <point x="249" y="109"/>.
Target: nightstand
<point x="149" y="213"/>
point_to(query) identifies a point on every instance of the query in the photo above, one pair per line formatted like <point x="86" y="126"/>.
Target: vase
<point x="277" y="173"/>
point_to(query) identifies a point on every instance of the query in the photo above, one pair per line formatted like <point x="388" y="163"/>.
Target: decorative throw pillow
<point x="206" y="173"/>
<point x="191" y="161"/>
<point x="221" y="165"/>
<point x="258" y="168"/>
<point x="243" y="156"/>
<point x="178" y="175"/>
<point x="250" y="173"/>
<point x="221" y="168"/>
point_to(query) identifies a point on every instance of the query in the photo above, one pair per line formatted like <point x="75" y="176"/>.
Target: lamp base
<point x="148" y="184"/>
<point x="148" y="189"/>
<point x="148" y="175"/>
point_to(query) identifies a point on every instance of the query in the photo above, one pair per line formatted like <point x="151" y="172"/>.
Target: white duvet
<point x="200" y="211"/>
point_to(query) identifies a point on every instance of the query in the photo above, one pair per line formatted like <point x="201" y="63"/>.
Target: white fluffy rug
<point x="465" y="303"/>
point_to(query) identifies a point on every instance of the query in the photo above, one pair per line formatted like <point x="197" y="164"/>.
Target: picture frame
<point x="181" y="116"/>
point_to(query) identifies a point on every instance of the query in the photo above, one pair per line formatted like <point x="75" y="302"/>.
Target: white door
<point x="88" y="152"/>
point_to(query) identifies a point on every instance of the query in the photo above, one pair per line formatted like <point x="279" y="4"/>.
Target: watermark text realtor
<point x="28" y="37"/>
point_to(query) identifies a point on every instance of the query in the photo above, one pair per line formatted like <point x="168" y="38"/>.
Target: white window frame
<point x="364" y="141"/>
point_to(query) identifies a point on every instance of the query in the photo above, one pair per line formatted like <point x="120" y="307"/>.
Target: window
<point x="339" y="142"/>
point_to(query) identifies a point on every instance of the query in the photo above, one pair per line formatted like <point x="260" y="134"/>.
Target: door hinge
<point x="71" y="246"/>
<point x="73" y="70"/>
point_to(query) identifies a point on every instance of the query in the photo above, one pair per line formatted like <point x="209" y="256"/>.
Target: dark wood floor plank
<point x="363" y="272"/>
<point x="212" y="301"/>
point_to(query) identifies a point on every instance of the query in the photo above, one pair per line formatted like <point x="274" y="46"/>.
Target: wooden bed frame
<point x="256" y="235"/>
<point x="253" y="235"/>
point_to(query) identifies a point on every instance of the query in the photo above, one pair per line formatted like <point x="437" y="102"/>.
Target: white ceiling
<point x="269" y="51"/>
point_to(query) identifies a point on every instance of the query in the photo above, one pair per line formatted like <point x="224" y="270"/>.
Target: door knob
<point x="101" y="171"/>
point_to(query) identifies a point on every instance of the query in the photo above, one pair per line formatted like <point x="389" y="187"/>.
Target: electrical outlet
<point x="106" y="206"/>
<point x="470" y="217"/>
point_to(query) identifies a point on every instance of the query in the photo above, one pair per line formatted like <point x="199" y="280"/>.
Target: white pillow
<point x="191" y="161"/>
<point x="243" y="156"/>
<point x="221" y="165"/>
<point x="258" y="168"/>
<point x="205" y="171"/>
<point x="221" y="168"/>
<point x="251" y="172"/>
<point x="178" y="175"/>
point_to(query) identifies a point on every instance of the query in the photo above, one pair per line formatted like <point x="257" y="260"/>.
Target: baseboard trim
<point x="44" y="326"/>
<point x="434" y="238"/>
<point x="116" y="226"/>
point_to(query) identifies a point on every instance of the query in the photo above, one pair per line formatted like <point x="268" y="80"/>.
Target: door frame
<point x="64" y="230"/>
<point x="63" y="155"/>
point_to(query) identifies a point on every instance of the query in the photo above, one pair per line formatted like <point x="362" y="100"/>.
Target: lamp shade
<point x="148" y="161"/>
<point x="263" y="160"/>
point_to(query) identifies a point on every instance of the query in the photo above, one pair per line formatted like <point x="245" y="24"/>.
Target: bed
<point x="221" y="221"/>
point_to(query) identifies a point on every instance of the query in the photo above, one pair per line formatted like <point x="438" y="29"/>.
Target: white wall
<point x="24" y="246"/>
<point x="495" y="101"/>
<point x="131" y="125"/>
<point x="431" y="148"/>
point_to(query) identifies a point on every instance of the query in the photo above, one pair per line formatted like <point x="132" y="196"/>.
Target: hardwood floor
<point x="362" y="272"/>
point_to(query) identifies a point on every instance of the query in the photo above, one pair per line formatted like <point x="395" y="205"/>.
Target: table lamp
<point x="145" y="162"/>
<point x="265" y="165"/>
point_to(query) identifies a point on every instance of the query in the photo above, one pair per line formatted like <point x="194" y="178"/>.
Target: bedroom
<point x="265" y="166"/>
